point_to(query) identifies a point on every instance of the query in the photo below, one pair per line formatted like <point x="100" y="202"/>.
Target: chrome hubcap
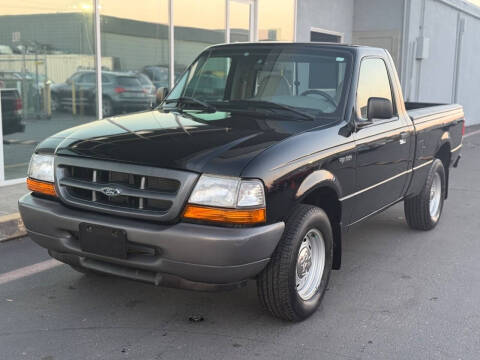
<point x="310" y="264"/>
<point x="435" y="197"/>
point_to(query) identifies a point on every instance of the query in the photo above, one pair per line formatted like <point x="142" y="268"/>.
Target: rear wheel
<point x="55" y="104"/>
<point x="107" y="107"/>
<point x="292" y="285"/>
<point x="424" y="210"/>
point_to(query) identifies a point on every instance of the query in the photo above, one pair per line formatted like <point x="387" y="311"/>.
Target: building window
<point x="134" y="54"/>
<point x="240" y="20"/>
<point x="44" y="52"/>
<point x="194" y="32"/>
<point x="318" y="35"/>
<point x="276" y="20"/>
<point x="47" y="58"/>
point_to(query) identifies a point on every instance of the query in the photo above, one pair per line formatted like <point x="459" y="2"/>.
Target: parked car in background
<point x="120" y="92"/>
<point x="11" y="111"/>
<point x="147" y="86"/>
<point x="5" y="50"/>
<point x="157" y="74"/>
<point x="257" y="178"/>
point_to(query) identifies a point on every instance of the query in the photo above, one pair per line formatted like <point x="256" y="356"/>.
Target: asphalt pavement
<point x="401" y="294"/>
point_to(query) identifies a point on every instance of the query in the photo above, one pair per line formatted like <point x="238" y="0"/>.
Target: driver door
<point x="382" y="146"/>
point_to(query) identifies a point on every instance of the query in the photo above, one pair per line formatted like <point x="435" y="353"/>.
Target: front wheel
<point x="424" y="210"/>
<point x="292" y="285"/>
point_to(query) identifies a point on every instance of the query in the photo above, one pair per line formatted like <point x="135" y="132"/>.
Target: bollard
<point x="47" y="100"/>
<point x="74" y="104"/>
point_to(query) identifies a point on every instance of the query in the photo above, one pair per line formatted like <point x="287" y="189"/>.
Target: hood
<point x="221" y="142"/>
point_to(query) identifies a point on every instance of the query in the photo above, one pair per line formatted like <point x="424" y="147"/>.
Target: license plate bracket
<point x="103" y="240"/>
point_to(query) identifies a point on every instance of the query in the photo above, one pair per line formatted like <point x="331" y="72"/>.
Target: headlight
<point x="41" y="168"/>
<point x="41" y="175"/>
<point x="227" y="199"/>
<point x="215" y="191"/>
<point x="251" y="193"/>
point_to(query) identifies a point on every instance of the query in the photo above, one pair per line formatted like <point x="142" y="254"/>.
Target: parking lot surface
<point x="401" y="294"/>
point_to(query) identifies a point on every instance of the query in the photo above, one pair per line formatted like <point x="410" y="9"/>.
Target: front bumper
<point x="182" y="255"/>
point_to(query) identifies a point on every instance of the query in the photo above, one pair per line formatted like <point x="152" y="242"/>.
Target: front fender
<point x="317" y="179"/>
<point x="320" y="180"/>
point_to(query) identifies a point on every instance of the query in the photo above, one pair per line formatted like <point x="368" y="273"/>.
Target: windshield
<point x="308" y="79"/>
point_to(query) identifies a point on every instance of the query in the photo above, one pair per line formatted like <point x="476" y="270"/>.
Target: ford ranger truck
<point x="253" y="166"/>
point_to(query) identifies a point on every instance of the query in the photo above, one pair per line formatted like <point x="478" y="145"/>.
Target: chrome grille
<point x="123" y="189"/>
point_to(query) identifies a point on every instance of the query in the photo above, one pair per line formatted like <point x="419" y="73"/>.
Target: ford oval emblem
<point x="110" y="191"/>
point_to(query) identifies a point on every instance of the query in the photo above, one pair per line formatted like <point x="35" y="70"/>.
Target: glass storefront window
<point x="135" y="54"/>
<point x="46" y="74"/>
<point x="276" y="20"/>
<point x="198" y="24"/>
<point x="239" y="21"/>
<point x="47" y="58"/>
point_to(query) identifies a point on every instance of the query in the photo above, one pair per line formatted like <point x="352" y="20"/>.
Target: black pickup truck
<point x="253" y="167"/>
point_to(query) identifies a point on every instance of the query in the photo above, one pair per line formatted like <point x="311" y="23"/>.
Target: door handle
<point x="403" y="138"/>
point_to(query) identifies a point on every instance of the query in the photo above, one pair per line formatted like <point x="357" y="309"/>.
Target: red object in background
<point x="18" y="104"/>
<point x="119" y="90"/>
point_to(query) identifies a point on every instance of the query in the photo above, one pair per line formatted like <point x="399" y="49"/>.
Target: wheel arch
<point x="321" y="188"/>
<point x="445" y="155"/>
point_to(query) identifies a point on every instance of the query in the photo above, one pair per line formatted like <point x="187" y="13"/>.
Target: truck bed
<point x="420" y="112"/>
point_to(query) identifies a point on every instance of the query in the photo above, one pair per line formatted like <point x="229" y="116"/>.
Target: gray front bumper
<point x="185" y="253"/>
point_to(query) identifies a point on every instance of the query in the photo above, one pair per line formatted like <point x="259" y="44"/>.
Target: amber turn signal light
<point x="41" y="187"/>
<point x="230" y="216"/>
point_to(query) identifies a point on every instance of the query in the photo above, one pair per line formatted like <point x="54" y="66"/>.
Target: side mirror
<point x="379" y="108"/>
<point x="162" y="93"/>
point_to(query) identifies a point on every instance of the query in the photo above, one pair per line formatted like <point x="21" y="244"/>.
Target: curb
<point x="11" y="227"/>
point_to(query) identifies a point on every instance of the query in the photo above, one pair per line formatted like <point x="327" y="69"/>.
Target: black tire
<point x="276" y="284"/>
<point x="417" y="209"/>
<point x="107" y="107"/>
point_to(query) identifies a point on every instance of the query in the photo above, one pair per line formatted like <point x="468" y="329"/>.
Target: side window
<point x="88" y="78"/>
<point x="74" y="78"/>
<point x="105" y="79"/>
<point x="373" y="82"/>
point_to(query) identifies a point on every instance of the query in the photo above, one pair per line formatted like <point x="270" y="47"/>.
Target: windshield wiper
<point x="267" y="104"/>
<point x="186" y="100"/>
